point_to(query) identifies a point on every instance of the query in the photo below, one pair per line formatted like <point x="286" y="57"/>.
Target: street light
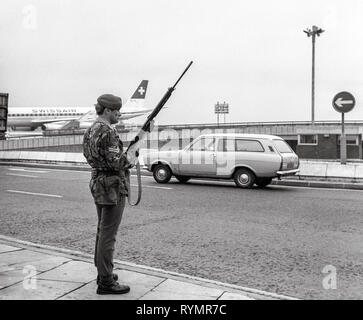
<point x="315" y="32"/>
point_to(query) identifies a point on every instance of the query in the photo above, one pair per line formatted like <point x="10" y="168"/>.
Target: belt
<point x="97" y="171"/>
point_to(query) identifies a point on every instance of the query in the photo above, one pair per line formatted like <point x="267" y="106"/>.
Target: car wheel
<point x="182" y="179"/>
<point x="162" y="173"/>
<point x="244" y="178"/>
<point x="263" y="182"/>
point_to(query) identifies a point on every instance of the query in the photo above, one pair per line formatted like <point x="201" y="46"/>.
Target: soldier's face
<point x="114" y="116"/>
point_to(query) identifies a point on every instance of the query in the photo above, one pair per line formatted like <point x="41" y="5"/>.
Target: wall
<point x="325" y="149"/>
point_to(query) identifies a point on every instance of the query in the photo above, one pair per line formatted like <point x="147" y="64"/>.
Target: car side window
<point x="226" y="145"/>
<point x="249" y="145"/>
<point x="204" y="144"/>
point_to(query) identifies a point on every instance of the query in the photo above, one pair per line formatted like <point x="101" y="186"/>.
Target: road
<point x="278" y="239"/>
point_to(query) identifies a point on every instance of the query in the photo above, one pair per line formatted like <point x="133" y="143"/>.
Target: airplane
<point x="29" y="119"/>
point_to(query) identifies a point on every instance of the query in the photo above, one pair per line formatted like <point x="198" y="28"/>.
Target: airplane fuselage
<point x="32" y="118"/>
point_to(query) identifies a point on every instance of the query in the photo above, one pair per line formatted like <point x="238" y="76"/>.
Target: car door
<point x="199" y="158"/>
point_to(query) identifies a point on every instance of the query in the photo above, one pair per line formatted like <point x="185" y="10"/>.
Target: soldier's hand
<point x="132" y="158"/>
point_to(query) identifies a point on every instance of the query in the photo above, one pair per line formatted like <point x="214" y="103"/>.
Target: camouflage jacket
<point x="103" y="151"/>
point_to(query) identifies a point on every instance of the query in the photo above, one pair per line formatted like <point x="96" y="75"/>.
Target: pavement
<point x="30" y="271"/>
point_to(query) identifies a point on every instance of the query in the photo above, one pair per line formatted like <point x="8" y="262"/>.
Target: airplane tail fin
<point x="137" y="100"/>
<point x="140" y="92"/>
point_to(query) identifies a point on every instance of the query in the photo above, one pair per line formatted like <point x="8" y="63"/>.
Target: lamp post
<point x="316" y="31"/>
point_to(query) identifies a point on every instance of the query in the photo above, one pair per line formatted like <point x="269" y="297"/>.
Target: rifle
<point x="132" y="151"/>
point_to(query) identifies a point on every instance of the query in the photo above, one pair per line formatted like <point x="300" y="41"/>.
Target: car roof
<point x="242" y="135"/>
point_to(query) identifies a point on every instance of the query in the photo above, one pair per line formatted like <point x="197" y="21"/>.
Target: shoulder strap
<point x="139" y="189"/>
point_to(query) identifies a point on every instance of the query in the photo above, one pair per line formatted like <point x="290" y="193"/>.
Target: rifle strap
<point x="139" y="189"/>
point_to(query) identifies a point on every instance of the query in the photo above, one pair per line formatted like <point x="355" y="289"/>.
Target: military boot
<point x="112" y="288"/>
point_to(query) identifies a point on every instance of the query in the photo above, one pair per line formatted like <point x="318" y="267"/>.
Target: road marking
<point x="26" y="170"/>
<point x="155" y="187"/>
<point x="314" y="188"/>
<point x="21" y="175"/>
<point x="35" y="194"/>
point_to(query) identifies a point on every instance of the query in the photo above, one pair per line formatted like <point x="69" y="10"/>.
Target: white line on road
<point x="165" y="188"/>
<point x="314" y="188"/>
<point x="27" y="170"/>
<point x="21" y="175"/>
<point x="35" y="194"/>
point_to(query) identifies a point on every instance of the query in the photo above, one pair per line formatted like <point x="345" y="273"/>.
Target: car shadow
<point x="228" y="184"/>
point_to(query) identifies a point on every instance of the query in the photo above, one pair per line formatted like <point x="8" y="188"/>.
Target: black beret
<point x="109" y="101"/>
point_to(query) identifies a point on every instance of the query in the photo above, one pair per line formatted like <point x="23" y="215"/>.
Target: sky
<point x="253" y="55"/>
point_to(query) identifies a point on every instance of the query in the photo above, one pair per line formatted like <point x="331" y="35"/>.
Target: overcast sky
<point x="251" y="54"/>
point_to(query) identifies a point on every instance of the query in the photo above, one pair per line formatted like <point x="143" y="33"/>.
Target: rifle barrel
<point x="186" y="69"/>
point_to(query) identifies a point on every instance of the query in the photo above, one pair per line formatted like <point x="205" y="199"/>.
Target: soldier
<point x="104" y="153"/>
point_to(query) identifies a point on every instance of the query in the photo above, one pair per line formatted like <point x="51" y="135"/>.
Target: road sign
<point x="221" y="108"/>
<point x="343" y="102"/>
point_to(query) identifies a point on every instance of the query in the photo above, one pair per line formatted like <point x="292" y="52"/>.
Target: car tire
<point x="182" y="179"/>
<point x="263" y="182"/>
<point x="244" y="178"/>
<point x="162" y="173"/>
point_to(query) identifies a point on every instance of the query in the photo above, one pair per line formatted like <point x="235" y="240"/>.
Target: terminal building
<point x="318" y="141"/>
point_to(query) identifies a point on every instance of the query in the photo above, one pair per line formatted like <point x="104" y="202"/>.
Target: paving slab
<point x="177" y="290"/>
<point x="40" y="290"/>
<point x="76" y="271"/>
<point x="139" y="283"/>
<point x="40" y="261"/>
<point x="234" y="296"/>
<point x="10" y="276"/>
<point x="6" y="248"/>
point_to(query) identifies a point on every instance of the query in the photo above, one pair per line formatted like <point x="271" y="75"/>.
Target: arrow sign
<point x="343" y="102"/>
<point x="339" y="102"/>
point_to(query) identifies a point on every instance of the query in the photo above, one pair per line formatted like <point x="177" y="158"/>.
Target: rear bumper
<point x="287" y="172"/>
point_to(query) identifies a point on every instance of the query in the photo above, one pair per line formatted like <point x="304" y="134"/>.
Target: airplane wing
<point x="89" y="116"/>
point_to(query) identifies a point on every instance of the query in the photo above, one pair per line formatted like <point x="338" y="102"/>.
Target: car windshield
<point x="282" y="146"/>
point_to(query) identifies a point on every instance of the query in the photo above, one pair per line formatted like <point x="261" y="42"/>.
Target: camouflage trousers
<point x="109" y="219"/>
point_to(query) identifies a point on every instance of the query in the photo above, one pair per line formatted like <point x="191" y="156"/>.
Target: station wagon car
<point x="248" y="159"/>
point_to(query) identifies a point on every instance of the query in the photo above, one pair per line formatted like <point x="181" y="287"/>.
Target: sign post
<point x="3" y="114"/>
<point x="343" y="102"/>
